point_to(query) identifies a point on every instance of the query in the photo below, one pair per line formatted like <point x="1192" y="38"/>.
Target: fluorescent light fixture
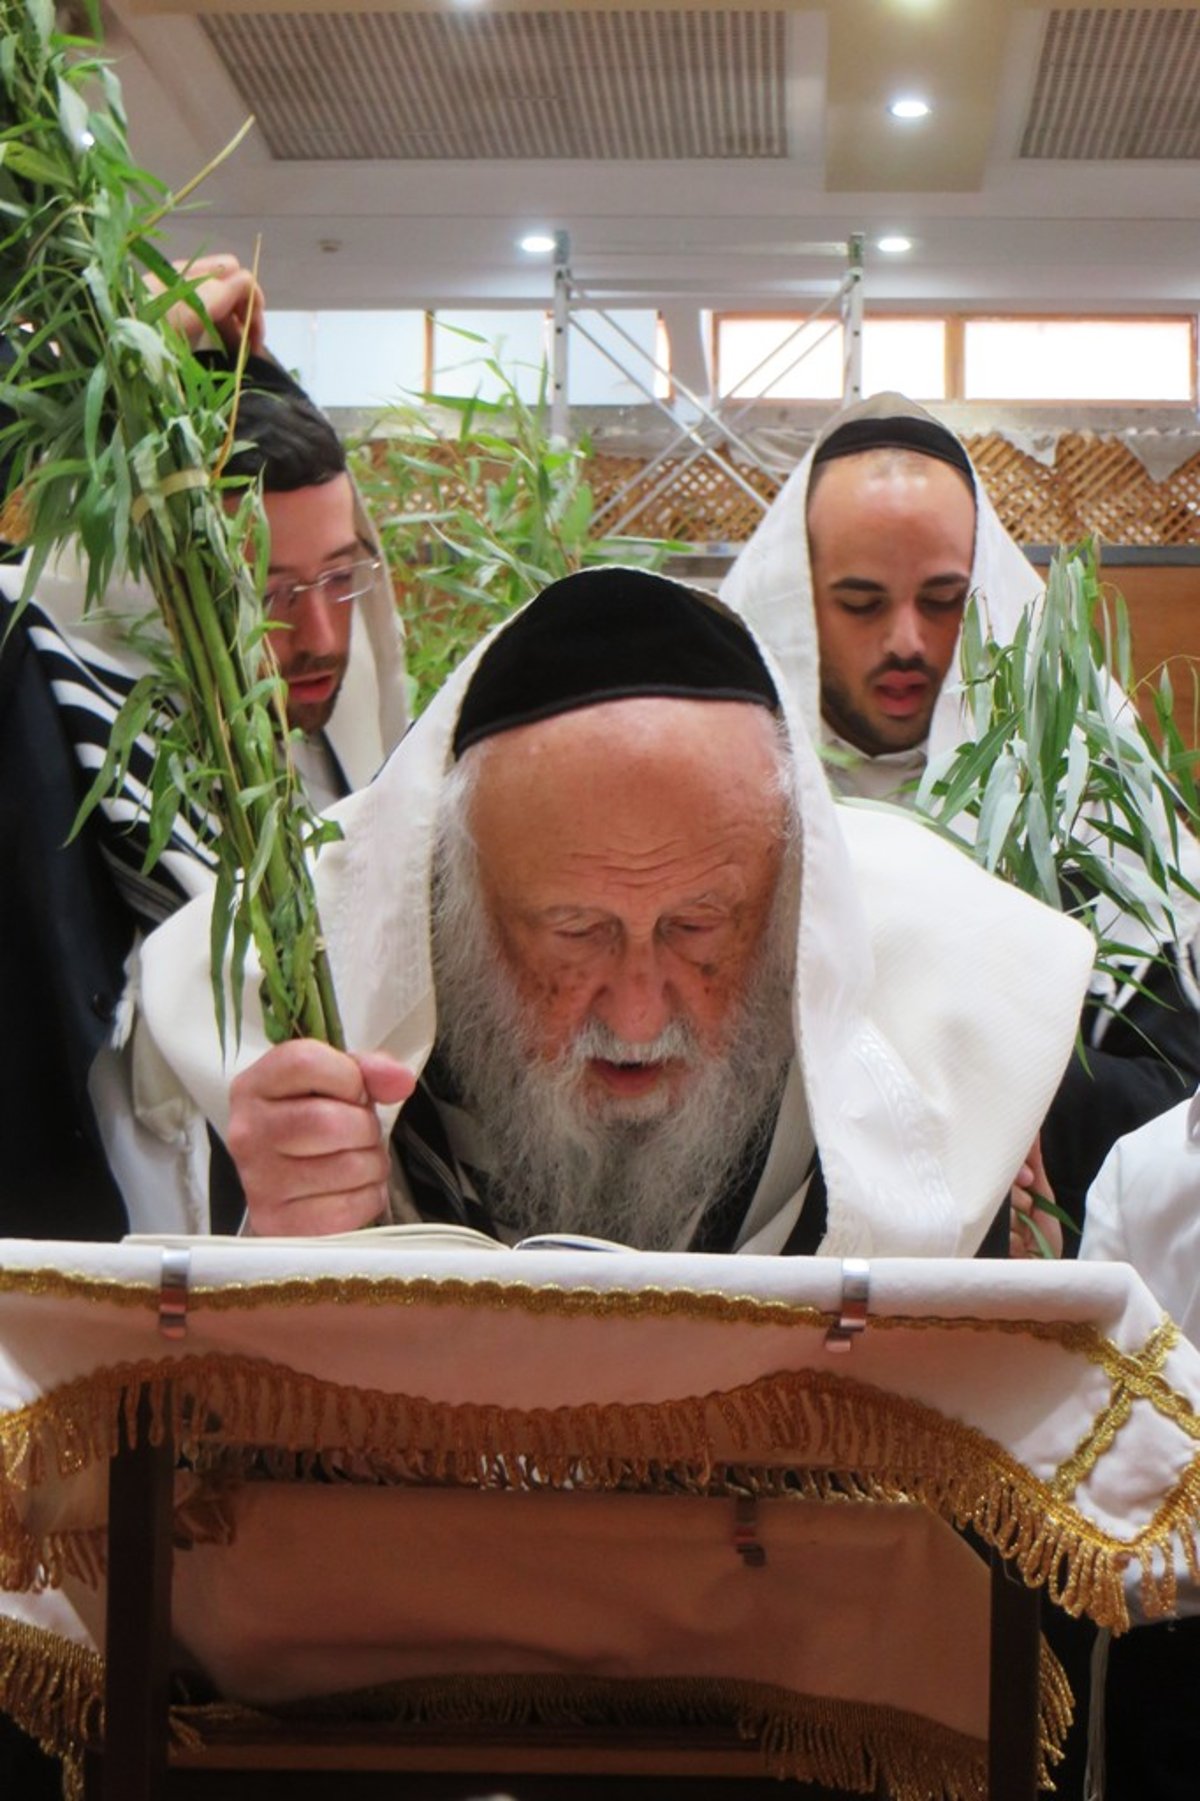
<point x="908" y="106"/>
<point x="894" y="245"/>
<point x="538" y="243"/>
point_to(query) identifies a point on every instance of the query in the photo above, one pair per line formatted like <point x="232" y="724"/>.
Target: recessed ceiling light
<point x="893" y="246"/>
<point x="538" y="243"/>
<point x="908" y="106"/>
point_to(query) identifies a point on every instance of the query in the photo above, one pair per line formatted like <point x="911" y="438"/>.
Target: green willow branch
<point x="1062" y="789"/>
<point x="118" y="444"/>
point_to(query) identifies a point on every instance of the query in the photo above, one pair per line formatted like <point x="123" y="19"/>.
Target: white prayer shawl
<point x="935" y="1007"/>
<point x="1144" y="1209"/>
<point x="770" y="585"/>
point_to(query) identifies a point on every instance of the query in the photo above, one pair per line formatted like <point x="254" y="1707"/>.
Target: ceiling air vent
<point x="589" y="83"/>
<point x="1117" y="83"/>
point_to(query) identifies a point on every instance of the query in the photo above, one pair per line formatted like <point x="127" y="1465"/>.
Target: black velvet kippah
<point x="610" y="634"/>
<point x="925" y="436"/>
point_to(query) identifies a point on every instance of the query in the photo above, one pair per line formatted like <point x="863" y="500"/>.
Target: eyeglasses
<point x="350" y="581"/>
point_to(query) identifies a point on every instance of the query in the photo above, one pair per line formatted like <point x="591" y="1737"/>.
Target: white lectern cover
<point x="545" y="1479"/>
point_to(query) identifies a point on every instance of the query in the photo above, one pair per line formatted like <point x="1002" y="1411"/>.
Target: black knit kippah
<point x="610" y="634"/>
<point x="899" y="432"/>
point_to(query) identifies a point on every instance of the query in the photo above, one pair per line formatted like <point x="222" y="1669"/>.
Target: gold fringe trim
<point x="844" y="1744"/>
<point x="808" y="1433"/>
<point x="54" y="1690"/>
<point x="1139" y="1371"/>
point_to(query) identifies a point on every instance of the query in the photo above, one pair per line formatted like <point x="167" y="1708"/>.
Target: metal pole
<point x="852" y="318"/>
<point x="560" y="397"/>
<point x="713" y="417"/>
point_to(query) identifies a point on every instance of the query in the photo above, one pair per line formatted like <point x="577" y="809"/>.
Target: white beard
<point x="561" y="1159"/>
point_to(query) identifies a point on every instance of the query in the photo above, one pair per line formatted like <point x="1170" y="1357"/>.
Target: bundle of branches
<point x="1063" y="789"/>
<point x="119" y="439"/>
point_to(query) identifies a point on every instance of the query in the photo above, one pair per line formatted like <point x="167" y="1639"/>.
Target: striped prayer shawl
<point x="89" y="689"/>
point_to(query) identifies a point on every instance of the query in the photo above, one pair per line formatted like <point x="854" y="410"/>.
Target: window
<point x="779" y="359"/>
<point x="518" y="341"/>
<point x="906" y="354"/>
<point x="605" y="369"/>
<point x="786" y="359"/>
<point x="1144" y="360"/>
<point x="361" y="359"/>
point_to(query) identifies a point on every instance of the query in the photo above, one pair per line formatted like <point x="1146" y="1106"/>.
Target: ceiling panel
<point x="1120" y="82"/>
<point x="593" y="83"/>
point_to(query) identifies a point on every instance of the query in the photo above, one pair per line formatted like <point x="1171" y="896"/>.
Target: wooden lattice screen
<point x="1095" y="485"/>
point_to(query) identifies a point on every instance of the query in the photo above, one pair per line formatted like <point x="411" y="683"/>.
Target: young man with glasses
<point x="324" y="570"/>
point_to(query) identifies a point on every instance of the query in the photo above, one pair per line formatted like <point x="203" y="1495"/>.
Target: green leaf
<point x="72" y="116"/>
<point x="97" y="387"/>
<point x="135" y="336"/>
<point x="220" y="923"/>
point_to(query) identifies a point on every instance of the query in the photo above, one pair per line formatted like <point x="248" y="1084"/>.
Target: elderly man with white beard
<point x="604" y="942"/>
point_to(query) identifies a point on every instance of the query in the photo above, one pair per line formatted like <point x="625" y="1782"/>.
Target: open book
<point x="418" y="1235"/>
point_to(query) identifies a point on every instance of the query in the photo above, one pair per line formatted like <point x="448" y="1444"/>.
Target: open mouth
<point x="312" y="687"/>
<point x="629" y="1079"/>
<point x="902" y="695"/>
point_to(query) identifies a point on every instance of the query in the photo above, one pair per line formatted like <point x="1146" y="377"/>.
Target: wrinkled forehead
<point x="641" y="783"/>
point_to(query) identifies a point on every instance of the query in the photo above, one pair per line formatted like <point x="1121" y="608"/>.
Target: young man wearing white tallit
<point x="857" y="579"/>
<point x="611" y="961"/>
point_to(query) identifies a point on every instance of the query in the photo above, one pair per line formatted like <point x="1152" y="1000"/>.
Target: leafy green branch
<point x="1062" y="789"/>
<point x="118" y="442"/>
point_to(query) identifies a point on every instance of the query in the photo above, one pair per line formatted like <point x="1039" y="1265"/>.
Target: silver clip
<point x="173" y="1293"/>
<point x="852" y="1315"/>
<point x="745" y="1534"/>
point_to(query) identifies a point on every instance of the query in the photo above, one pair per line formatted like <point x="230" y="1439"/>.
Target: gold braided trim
<point x="1139" y="1370"/>
<point x="1100" y="1437"/>
<point x="809" y="1433"/>
<point x="1102" y="1433"/>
